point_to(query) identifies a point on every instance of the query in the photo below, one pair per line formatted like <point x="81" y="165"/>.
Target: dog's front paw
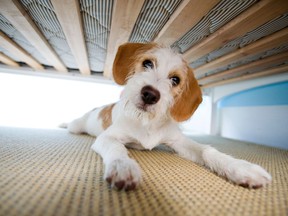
<point x="123" y="174"/>
<point x="247" y="174"/>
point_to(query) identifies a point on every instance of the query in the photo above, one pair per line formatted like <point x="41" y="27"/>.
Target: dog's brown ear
<point x="124" y="61"/>
<point x="187" y="102"/>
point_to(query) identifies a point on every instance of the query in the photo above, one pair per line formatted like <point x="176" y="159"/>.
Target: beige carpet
<point x="51" y="172"/>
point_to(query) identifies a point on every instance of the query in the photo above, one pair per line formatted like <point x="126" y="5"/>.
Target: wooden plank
<point x="19" y="18"/>
<point x="125" y="13"/>
<point x="264" y="44"/>
<point x="187" y="15"/>
<point x="18" y="51"/>
<point x="7" y="60"/>
<point x="256" y="65"/>
<point x="268" y="72"/>
<point x="255" y="16"/>
<point x="68" y="14"/>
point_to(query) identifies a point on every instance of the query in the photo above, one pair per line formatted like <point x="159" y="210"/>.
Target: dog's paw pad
<point x="123" y="174"/>
<point x="248" y="175"/>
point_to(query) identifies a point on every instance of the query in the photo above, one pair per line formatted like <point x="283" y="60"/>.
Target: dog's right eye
<point x="148" y="64"/>
<point x="175" y="80"/>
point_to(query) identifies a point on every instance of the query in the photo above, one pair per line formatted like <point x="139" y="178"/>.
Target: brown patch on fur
<point x="188" y="100"/>
<point x="106" y="116"/>
<point x="126" y="58"/>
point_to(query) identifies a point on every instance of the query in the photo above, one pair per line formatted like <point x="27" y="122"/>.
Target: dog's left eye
<point x="148" y="64"/>
<point x="175" y="80"/>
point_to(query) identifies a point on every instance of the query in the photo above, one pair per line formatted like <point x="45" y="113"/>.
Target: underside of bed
<point x="52" y="172"/>
<point x="224" y="41"/>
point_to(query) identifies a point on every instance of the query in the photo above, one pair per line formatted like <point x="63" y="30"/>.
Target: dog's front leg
<point x="238" y="171"/>
<point x="121" y="172"/>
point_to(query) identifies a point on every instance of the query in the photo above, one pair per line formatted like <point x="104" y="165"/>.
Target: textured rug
<point x="51" y="172"/>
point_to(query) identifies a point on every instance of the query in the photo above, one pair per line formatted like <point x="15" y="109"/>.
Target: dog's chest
<point x="146" y="137"/>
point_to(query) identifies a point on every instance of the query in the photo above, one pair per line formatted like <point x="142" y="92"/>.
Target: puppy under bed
<point x="52" y="172"/>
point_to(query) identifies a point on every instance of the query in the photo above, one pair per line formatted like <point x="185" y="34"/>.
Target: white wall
<point x="266" y="125"/>
<point x="262" y="124"/>
<point x="43" y="102"/>
<point x="201" y="120"/>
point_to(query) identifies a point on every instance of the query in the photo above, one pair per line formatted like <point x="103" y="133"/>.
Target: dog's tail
<point x="63" y="125"/>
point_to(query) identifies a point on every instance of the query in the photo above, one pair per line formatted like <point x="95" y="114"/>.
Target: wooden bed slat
<point x="18" y="51"/>
<point x="124" y="16"/>
<point x="264" y="44"/>
<point x="19" y="18"/>
<point x="259" y="65"/>
<point x="268" y="72"/>
<point x="188" y="14"/>
<point x="257" y="15"/>
<point x="69" y="16"/>
<point x="8" y="61"/>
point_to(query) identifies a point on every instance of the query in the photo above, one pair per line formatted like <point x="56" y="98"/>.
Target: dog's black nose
<point x="150" y="95"/>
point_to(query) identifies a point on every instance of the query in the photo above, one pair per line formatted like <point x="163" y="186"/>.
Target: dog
<point x="160" y="91"/>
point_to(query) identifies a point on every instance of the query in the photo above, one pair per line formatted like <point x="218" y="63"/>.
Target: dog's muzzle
<point x="150" y="95"/>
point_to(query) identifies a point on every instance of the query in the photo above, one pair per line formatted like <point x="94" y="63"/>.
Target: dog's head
<point x="158" y="81"/>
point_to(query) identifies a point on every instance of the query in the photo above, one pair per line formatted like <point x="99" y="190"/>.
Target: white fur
<point x="140" y="129"/>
